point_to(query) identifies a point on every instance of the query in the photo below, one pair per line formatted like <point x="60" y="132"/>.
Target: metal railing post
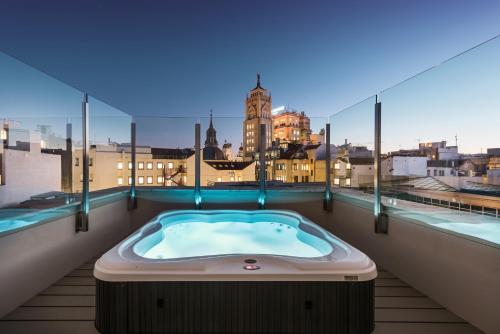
<point x="82" y="223"/>
<point x="381" y="218"/>
<point x="132" y="200"/>
<point x="328" y="201"/>
<point x="197" y="165"/>
<point x="262" y="167"/>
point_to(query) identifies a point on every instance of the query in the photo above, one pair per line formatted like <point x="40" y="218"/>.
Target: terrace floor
<point x="68" y="306"/>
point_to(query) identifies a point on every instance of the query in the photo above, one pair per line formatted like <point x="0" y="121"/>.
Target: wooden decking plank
<point x="405" y="302"/>
<point x="427" y="328"/>
<point x="394" y="282"/>
<point x="48" y="327"/>
<point x="416" y="315"/>
<point x="52" y="313"/>
<point x="385" y="274"/>
<point x="87" y="266"/>
<point x="70" y="301"/>
<point x="69" y="290"/>
<point x="397" y="291"/>
<point x="69" y="280"/>
<point x="81" y="273"/>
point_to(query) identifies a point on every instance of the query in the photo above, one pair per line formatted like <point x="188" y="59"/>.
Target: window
<point x="149" y="165"/>
<point x="119" y="165"/>
<point x="435" y="172"/>
<point x="141" y="179"/>
<point x="77" y="161"/>
<point x="295" y="167"/>
<point x="219" y="179"/>
<point x="140" y="165"/>
<point x="129" y="165"/>
<point x="159" y="165"/>
<point x="149" y="180"/>
<point x="91" y="162"/>
<point x="348" y="166"/>
<point x="232" y="178"/>
<point x="296" y="178"/>
<point x="159" y="180"/>
<point x="428" y="172"/>
<point x="336" y="181"/>
<point x="120" y="181"/>
<point x="239" y="178"/>
<point x="170" y="165"/>
<point x="337" y="166"/>
<point x="348" y="182"/>
<point x="129" y="180"/>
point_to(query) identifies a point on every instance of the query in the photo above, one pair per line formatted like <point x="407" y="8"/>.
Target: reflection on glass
<point x="352" y="139"/>
<point x="165" y="152"/>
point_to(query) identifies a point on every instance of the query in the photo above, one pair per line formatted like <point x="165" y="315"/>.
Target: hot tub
<point x="232" y="271"/>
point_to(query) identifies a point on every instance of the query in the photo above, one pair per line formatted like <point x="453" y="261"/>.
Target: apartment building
<point x="290" y="126"/>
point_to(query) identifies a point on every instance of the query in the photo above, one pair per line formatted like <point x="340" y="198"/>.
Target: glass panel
<point x="40" y="125"/>
<point x="109" y="152"/>
<point x="165" y="153"/>
<point x="223" y="165"/>
<point x="352" y="137"/>
<point x="441" y="145"/>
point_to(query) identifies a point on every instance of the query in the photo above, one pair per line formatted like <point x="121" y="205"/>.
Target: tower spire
<point x="211" y="124"/>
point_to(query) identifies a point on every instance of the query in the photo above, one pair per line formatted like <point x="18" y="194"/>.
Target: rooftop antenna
<point x="456" y="140"/>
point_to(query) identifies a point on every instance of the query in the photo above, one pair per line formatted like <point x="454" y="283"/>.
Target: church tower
<point x="212" y="150"/>
<point x="257" y="111"/>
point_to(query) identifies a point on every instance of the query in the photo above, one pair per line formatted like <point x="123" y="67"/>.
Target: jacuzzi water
<point x="211" y="236"/>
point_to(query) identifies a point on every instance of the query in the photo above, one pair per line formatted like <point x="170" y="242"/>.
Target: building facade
<point x="291" y="127"/>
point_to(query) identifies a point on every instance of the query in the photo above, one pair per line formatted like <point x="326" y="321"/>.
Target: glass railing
<point x="352" y="149"/>
<point x="440" y="155"/>
<point x="164" y="153"/>
<point x="41" y="145"/>
<point x="440" y="152"/>
<point x="440" y="144"/>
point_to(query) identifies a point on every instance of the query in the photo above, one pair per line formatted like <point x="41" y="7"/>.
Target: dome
<point x="213" y="153"/>
<point x="321" y="152"/>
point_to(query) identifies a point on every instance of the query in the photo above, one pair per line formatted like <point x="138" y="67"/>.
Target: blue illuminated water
<point x="209" y="238"/>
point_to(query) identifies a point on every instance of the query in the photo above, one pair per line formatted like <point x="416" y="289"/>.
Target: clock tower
<point x="257" y="111"/>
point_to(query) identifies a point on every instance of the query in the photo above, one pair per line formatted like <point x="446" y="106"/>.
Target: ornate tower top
<point x="211" y="134"/>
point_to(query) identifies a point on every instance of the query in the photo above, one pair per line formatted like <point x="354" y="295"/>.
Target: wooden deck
<point x="68" y="306"/>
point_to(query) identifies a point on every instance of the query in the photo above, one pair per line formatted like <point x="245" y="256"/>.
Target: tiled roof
<point x="229" y="165"/>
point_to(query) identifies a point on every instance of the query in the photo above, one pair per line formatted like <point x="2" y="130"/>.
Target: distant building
<point x="257" y="111"/>
<point x="111" y="166"/>
<point x="26" y="170"/>
<point x="291" y="127"/>
<point x="403" y="165"/>
<point x="227" y="149"/>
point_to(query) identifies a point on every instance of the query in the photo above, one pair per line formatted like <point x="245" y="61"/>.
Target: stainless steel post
<point x="132" y="200"/>
<point x="381" y="218"/>
<point x="197" y="165"/>
<point x="328" y="201"/>
<point x="82" y="224"/>
<point x="262" y="167"/>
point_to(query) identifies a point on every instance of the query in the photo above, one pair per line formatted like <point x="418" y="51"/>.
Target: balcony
<point x="435" y="239"/>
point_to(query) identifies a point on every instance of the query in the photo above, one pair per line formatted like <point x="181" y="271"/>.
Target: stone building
<point x="258" y="107"/>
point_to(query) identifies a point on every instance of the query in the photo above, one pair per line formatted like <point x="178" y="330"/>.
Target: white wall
<point x="404" y="166"/>
<point x="29" y="173"/>
<point x="37" y="257"/>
